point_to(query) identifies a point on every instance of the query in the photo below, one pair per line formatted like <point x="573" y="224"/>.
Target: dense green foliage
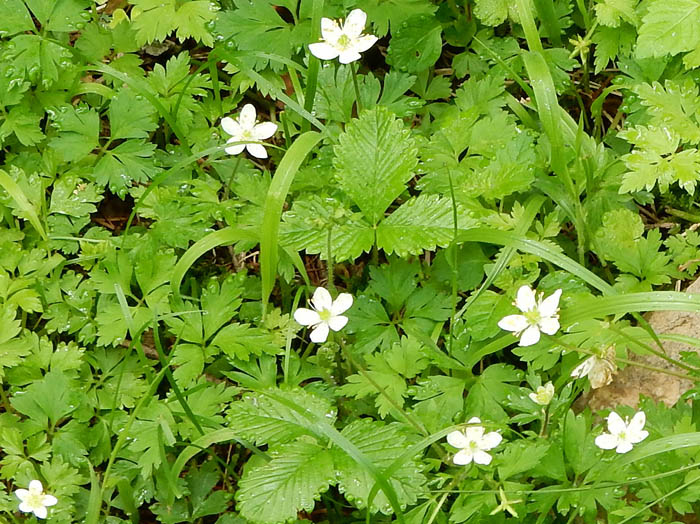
<point x="151" y="368"/>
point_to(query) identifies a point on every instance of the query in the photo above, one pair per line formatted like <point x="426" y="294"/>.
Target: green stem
<point x="357" y="88"/>
<point x="329" y="262"/>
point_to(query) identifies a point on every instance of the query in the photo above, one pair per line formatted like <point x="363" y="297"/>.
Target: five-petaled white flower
<point x="538" y="315"/>
<point x="543" y="395"/>
<point x="473" y="443"/>
<point x="34" y="500"/>
<point x="325" y="315"/>
<point x="598" y="369"/>
<point x="246" y="129"/>
<point x="346" y="42"/>
<point x="623" y="433"/>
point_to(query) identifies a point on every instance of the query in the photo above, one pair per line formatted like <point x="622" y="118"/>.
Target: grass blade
<point x="272" y="212"/>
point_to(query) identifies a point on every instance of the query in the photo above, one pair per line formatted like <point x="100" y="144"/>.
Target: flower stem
<point x="357" y="88"/>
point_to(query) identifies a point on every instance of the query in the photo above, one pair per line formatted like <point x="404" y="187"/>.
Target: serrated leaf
<point x="390" y="14"/>
<point x="131" y="116"/>
<point x="242" y="340"/>
<point x="422" y="223"/>
<point x="78" y="130"/>
<point x="262" y="420"/>
<point x="382" y="444"/>
<point x="416" y="45"/>
<point x="291" y="482"/>
<point x="129" y="162"/>
<point x="492" y="12"/>
<point x="669" y="28"/>
<point x="23" y="124"/>
<point x="39" y="58"/>
<point x="611" y="12"/>
<point x="15" y="18"/>
<point x="375" y="158"/>
<point x="156" y="19"/>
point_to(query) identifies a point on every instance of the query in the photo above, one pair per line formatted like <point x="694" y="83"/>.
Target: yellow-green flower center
<point x="533" y="317"/>
<point x="34" y="500"/>
<point x="325" y="315"/>
<point x="343" y="42"/>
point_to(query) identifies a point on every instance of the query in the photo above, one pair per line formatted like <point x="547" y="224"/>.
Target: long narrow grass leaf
<point x="272" y="211"/>
<point x="22" y="202"/>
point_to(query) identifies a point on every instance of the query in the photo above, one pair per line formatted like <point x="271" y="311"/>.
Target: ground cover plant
<point x="340" y="261"/>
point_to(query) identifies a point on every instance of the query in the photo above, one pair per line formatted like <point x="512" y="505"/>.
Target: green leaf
<point x="72" y="196"/>
<point x="129" y="162"/>
<point x="24" y="124"/>
<point x="669" y="28"/>
<point x="579" y="450"/>
<point x="40" y="58"/>
<point x="611" y="12"/>
<point x="156" y="19"/>
<point x="258" y="26"/>
<point x="520" y="457"/>
<point x="674" y="105"/>
<point x="382" y="444"/>
<point x="416" y="45"/>
<point x="491" y="389"/>
<point x="262" y="420"/>
<point x="422" y="223"/>
<point x="15" y="18"/>
<point x="492" y="12"/>
<point x="242" y="340"/>
<point x="291" y="482"/>
<point x="375" y="158"/>
<point x="131" y="116"/>
<point x="49" y="399"/>
<point x="78" y="130"/>
<point x="390" y="14"/>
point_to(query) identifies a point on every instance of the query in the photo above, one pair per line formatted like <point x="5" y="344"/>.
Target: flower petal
<point x="638" y="421"/>
<point x="306" y="317"/>
<point x="35" y="486"/>
<point x="363" y="43"/>
<point x="330" y="31"/>
<point x="40" y="512"/>
<point x="346" y="57"/>
<point x="337" y="322"/>
<point x="513" y="323"/>
<point x="624" y="446"/>
<point x="236" y="149"/>
<point x="583" y="368"/>
<point x="483" y="458"/>
<point x="49" y="500"/>
<point x="257" y="150"/>
<point x="615" y="424"/>
<point x="320" y="333"/>
<point x="549" y="325"/>
<point x="22" y="493"/>
<point x="457" y="439"/>
<point x="606" y="441"/>
<point x="321" y="300"/>
<point x="550" y="305"/>
<point x="247" y="116"/>
<point x="463" y="457"/>
<point x="264" y="130"/>
<point x="230" y="126"/>
<point x="323" y="51"/>
<point x="530" y="336"/>
<point x="490" y="440"/>
<point x="474" y="420"/>
<point x="355" y="23"/>
<point x="26" y="508"/>
<point x="525" y="299"/>
<point x="341" y="304"/>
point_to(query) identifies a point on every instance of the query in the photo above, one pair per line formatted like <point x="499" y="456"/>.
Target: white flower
<point x="325" y="315"/>
<point x="623" y="433"/>
<point x="346" y="42"/>
<point x="543" y="395"/>
<point x="599" y="370"/>
<point x="246" y="129"/>
<point x="34" y="500"/>
<point x="538" y="315"/>
<point x="473" y="443"/>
